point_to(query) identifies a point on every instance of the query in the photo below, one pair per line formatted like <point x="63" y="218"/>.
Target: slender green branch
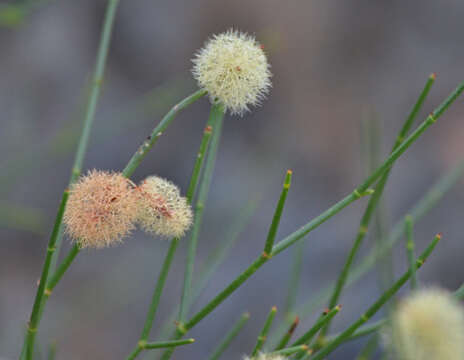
<point x="58" y="274"/>
<point x="208" y="308"/>
<point x="361" y="189"/>
<point x="97" y="82"/>
<point x="146" y="146"/>
<point x="291" y="350"/>
<point x="410" y="249"/>
<point x="278" y="214"/>
<point x="215" y="119"/>
<point x="165" y="344"/>
<point x="307" y="336"/>
<point x="213" y="261"/>
<point x="287" y="336"/>
<point x="35" y="315"/>
<point x="373" y="141"/>
<point x="199" y="163"/>
<point x="374" y="200"/>
<point x="159" y="289"/>
<point x="229" y="337"/>
<point x="263" y="335"/>
<point x="174" y="242"/>
<point x="417" y="212"/>
<point x="143" y="345"/>
<point x="55" y="239"/>
<point x="366" y="330"/>
<point x="371" y="311"/>
<point x="357" y="193"/>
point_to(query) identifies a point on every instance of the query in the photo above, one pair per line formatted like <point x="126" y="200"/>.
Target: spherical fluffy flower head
<point x="429" y="325"/>
<point x="233" y="68"/>
<point x="263" y="356"/>
<point x="101" y="209"/>
<point x="162" y="210"/>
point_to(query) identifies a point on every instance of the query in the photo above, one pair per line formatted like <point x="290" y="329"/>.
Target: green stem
<point x="143" y="345"/>
<point x="199" y="163"/>
<point x="146" y="146"/>
<point x="165" y="344"/>
<point x="357" y="193"/>
<point x="159" y="289"/>
<point x="55" y="240"/>
<point x="366" y="330"/>
<point x="65" y="264"/>
<point x="263" y="335"/>
<point x="215" y="258"/>
<point x="375" y="198"/>
<point x="287" y="336"/>
<point x="35" y="315"/>
<point x="307" y="336"/>
<point x="229" y="337"/>
<point x="215" y="119"/>
<point x="291" y="350"/>
<point x="195" y="319"/>
<point x="278" y="214"/>
<point x="417" y="212"/>
<point x="410" y="250"/>
<point x="174" y="243"/>
<point x="371" y="311"/>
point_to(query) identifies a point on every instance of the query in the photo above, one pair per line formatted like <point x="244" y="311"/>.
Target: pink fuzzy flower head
<point x="101" y="209"/>
<point x="161" y="209"/>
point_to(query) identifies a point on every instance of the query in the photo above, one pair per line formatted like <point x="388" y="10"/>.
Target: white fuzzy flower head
<point x="233" y="68"/>
<point x="262" y="356"/>
<point x="429" y="324"/>
<point x="162" y="210"/>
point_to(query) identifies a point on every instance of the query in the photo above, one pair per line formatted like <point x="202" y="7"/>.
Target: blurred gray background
<point x="336" y="64"/>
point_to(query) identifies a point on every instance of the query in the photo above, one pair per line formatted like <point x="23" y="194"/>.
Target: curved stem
<point x="146" y="146"/>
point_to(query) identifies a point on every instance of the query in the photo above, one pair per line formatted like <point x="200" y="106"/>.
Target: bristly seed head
<point x="161" y="208"/>
<point x="101" y="209"/>
<point x="429" y="324"/>
<point x="233" y="68"/>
